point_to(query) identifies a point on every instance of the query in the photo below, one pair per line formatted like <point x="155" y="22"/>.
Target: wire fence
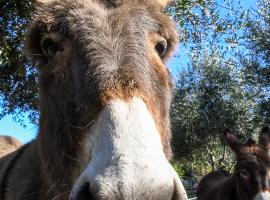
<point x="191" y="187"/>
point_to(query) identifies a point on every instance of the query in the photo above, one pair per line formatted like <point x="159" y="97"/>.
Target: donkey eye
<point x="244" y="173"/>
<point x="50" y="48"/>
<point x="161" y="47"/>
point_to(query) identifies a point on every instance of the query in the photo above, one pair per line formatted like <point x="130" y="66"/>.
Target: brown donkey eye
<point x="50" y="48"/>
<point x="244" y="174"/>
<point x="161" y="47"/>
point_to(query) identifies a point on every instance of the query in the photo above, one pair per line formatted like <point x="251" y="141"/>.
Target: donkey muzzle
<point x="127" y="158"/>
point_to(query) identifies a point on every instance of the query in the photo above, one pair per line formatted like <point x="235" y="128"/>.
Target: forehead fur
<point x="49" y="10"/>
<point x="163" y="3"/>
<point x="256" y="150"/>
<point x="96" y="20"/>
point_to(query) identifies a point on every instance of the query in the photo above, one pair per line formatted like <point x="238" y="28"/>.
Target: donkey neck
<point x="227" y="188"/>
<point x="232" y="189"/>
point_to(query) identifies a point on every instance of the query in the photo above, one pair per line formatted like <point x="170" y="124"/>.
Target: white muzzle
<point x="127" y="158"/>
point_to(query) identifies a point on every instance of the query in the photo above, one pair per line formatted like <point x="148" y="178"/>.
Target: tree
<point x="211" y="92"/>
<point x="209" y="97"/>
<point x="256" y="59"/>
<point x="18" y="88"/>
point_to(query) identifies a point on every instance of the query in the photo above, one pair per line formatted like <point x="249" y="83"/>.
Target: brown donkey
<point x="251" y="177"/>
<point x="104" y="102"/>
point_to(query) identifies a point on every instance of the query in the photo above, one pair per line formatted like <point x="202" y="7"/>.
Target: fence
<point x="191" y="187"/>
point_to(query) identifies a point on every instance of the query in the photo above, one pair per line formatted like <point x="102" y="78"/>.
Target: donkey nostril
<point x="84" y="193"/>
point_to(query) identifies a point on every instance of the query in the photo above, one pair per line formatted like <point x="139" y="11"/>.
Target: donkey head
<point x="252" y="165"/>
<point x="104" y="97"/>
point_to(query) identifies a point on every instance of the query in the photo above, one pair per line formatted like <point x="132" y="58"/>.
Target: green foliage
<point x="180" y="170"/>
<point x="256" y="59"/>
<point x="212" y="91"/>
<point x="210" y="96"/>
<point x="18" y="89"/>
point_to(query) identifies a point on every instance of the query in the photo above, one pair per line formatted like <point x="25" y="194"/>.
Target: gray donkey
<point x="105" y="94"/>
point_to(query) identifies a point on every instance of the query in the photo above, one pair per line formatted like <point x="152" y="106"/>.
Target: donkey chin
<point x="127" y="158"/>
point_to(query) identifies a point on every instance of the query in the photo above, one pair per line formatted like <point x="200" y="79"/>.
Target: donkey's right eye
<point x="50" y="48"/>
<point x="161" y="47"/>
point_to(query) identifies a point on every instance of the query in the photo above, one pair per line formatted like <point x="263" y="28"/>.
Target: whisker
<point x="51" y="188"/>
<point x="72" y="158"/>
<point x="83" y="127"/>
<point x="59" y="195"/>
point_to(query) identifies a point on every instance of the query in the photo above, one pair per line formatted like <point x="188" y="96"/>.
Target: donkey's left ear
<point x="264" y="138"/>
<point x="231" y="140"/>
<point x="163" y="3"/>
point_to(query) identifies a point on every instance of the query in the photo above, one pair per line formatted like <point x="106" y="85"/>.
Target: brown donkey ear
<point x="41" y="2"/>
<point x="163" y="3"/>
<point x="264" y="138"/>
<point x="231" y="140"/>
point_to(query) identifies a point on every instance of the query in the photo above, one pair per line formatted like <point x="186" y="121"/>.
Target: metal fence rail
<point x="191" y="187"/>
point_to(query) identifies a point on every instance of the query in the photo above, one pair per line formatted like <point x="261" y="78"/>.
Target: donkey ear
<point x="264" y="138"/>
<point x="163" y="3"/>
<point x="43" y="1"/>
<point x="231" y="140"/>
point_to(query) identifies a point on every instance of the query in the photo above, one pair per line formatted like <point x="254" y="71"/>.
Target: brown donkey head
<point x="252" y="169"/>
<point x="104" y="97"/>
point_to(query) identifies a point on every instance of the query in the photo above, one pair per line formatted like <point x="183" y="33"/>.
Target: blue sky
<point x="9" y="127"/>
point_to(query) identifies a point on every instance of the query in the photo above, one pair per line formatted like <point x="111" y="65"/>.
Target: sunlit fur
<point x="8" y="144"/>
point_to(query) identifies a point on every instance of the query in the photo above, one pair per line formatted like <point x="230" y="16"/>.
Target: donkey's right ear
<point x="41" y="2"/>
<point x="264" y="138"/>
<point x="231" y="140"/>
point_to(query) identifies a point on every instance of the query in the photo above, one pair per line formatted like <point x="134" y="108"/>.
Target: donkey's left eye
<point x="244" y="174"/>
<point x="161" y="47"/>
<point x="50" y="48"/>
